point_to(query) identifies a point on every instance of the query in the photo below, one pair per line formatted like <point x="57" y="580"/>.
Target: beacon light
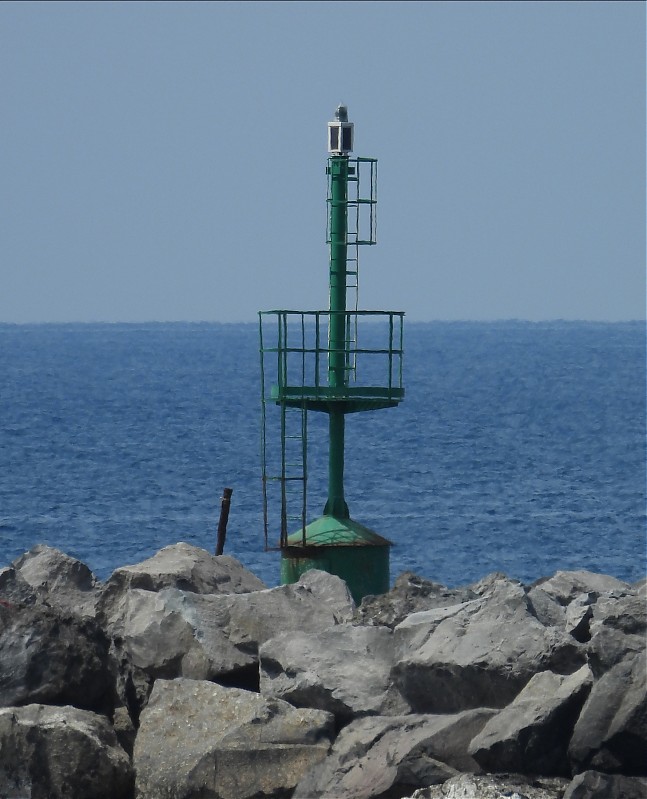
<point x="340" y="133"/>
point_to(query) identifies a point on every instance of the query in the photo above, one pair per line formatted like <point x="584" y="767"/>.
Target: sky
<point x="165" y="161"/>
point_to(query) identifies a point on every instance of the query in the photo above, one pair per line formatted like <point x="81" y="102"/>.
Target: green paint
<point x="334" y="542"/>
<point x="337" y="358"/>
<point x="343" y="547"/>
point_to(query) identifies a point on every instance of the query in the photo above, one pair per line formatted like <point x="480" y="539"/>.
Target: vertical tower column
<point x="337" y="357"/>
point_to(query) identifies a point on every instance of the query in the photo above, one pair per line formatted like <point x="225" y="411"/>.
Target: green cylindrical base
<point x="342" y="547"/>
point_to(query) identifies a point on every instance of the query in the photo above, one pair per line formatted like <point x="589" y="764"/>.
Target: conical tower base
<point x="343" y="547"/>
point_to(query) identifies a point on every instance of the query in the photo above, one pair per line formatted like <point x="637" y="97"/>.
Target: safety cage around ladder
<point x="295" y="355"/>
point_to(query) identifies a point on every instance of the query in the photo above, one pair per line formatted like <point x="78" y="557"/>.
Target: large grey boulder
<point x="181" y="566"/>
<point x="494" y="786"/>
<point x="546" y="608"/>
<point x="565" y="586"/>
<point x="578" y="601"/>
<point x="47" y="656"/>
<point x="531" y="735"/>
<point x="609" y="646"/>
<point x="198" y="739"/>
<point x="382" y="757"/>
<point x="14" y="589"/>
<point x="479" y="653"/>
<point x="61" y="753"/>
<point x="618" y="628"/>
<point x="59" y="579"/>
<point x="410" y="594"/>
<point x="626" y="613"/>
<point x="345" y="670"/>
<point x="188" y="568"/>
<point x="171" y="633"/>
<point x="611" y="733"/>
<point x="594" y="785"/>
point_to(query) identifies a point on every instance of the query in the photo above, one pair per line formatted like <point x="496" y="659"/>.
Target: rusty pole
<point x="224" y="516"/>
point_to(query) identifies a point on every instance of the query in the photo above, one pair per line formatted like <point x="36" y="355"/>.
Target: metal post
<point x="224" y="517"/>
<point x="337" y="357"/>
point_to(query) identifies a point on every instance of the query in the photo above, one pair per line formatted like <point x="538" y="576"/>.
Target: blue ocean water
<point x="520" y="447"/>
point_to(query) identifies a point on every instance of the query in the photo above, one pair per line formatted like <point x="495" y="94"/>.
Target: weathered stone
<point x="188" y="568"/>
<point x="485" y="584"/>
<point x="479" y="653"/>
<point x="546" y="608"/>
<point x="531" y="735"/>
<point x="345" y="670"/>
<point x="409" y="594"/>
<point x="611" y="733"/>
<point x="61" y="753"/>
<point x="50" y="657"/>
<point x="594" y="785"/>
<point x="198" y="739"/>
<point x="609" y="646"/>
<point x="578" y="617"/>
<point x="173" y="633"/>
<point x="14" y="589"/>
<point x="317" y="601"/>
<point x="626" y="613"/>
<point x="61" y="580"/>
<point x="332" y="591"/>
<point x="499" y="786"/>
<point x="564" y="586"/>
<point x="181" y="566"/>
<point x="386" y="756"/>
<point x="617" y="629"/>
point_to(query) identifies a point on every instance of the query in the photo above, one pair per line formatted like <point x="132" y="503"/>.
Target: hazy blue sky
<point x="165" y="161"/>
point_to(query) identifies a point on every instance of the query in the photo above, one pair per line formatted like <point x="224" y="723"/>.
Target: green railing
<point x="295" y="367"/>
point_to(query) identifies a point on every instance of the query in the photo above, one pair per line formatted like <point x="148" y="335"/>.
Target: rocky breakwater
<point x="184" y="677"/>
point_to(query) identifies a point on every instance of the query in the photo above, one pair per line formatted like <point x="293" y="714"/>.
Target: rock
<point x="332" y="591"/>
<point x="578" y="617"/>
<point x="546" y="608"/>
<point x="344" y="670"/>
<point x="317" y="601"/>
<point x="580" y="602"/>
<point x="531" y="735"/>
<point x="198" y="739"/>
<point x="172" y="633"/>
<point x="14" y="589"/>
<point x="609" y="646"/>
<point x="485" y="584"/>
<point x="479" y="653"/>
<point x="61" y="753"/>
<point x="383" y="757"/>
<point x="62" y="581"/>
<point x="593" y="785"/>
<point x="489" y="786"/>
<point x="50" y="657"/>
<point x="611" y="733"/>
<point x="626" y="613"/>
<point x="188" y="568"/>
<point x="564" y="586"/>
<point x="182" y="566"/>
<point x="617" y="629"/>
<point x="409" y="594"/>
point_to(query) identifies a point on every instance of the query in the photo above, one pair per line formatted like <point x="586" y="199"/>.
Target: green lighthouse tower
<point x="336" y="362"/>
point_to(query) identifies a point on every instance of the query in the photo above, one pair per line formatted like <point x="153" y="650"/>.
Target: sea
<point x="519" y="447"/>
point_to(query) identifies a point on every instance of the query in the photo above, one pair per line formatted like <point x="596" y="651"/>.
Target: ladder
<point x="361" y="230"/>
<point x="283" y="450"/>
